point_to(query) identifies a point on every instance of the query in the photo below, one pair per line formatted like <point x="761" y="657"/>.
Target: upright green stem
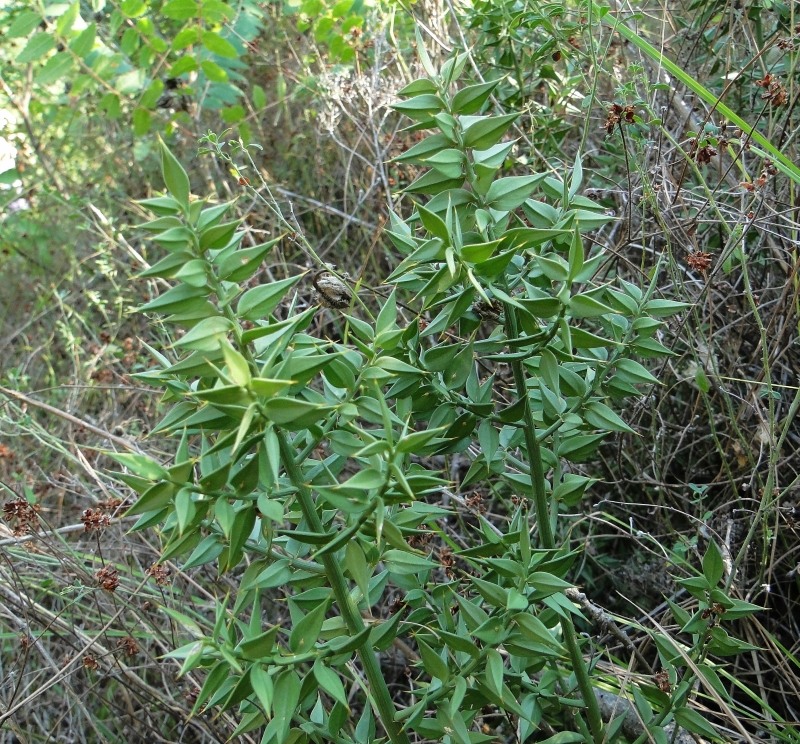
<point x="543" y="519"/>
<point x="377" y="684"/>
<point x="380" y="692"/>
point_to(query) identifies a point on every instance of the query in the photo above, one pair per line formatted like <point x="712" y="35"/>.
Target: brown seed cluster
<point x="159" y="573"/>
<point x="108" y="578"/>
<point x="488" y="310"/>
<point x="475" y="503"/>
<point x="21" y="516"/>
<point x="89" y="662"/>
<point x="129" y="646"/>
<point x="699" y="261"/>
<point x="713" y="613"/>
<point x="703" y="154"/>
<point x="662" y="681"/>
<point x="332" y="292"/>
<point x="447" y="561"/>
<point x="94" y="519"/>
<point x="768" y="171"/>
<point x="422" y="538"/>
<point x="774" y="91"/>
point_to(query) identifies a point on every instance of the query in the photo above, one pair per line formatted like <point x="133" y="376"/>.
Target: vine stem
<point x="355" y="624"/>
<point x="543" y="519"/>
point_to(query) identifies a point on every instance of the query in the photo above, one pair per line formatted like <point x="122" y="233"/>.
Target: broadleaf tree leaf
<point x="38" y="45"/>
<point x="23" y="24"/>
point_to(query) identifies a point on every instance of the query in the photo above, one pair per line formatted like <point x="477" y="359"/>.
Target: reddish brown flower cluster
<point x="618" y="114"/>
<point x="104" y="376"/>
<point x="108" y="578"/>
<point x="447" y="561"/>
<point x="704" y="154"/>
<point x="768" y="171"/>
<point x="790" y="43"/>
<point x="713" y="613"/>
<point x="159" y="573"/>
<point x="94" y="519"/>
<point x="89" y="662"/>
<point x="699" y="261"/>
<point x="422" y="538"/>
<point x="6" y="453"/>
<point x="488" y="310"/>
<point x="774" y="90"/>
<point x="131" y="348"/>
<point x="21" y="515"/>
<point x="715" y="609"/>
<point x="191" y="694"/>
<point x="129" y="646"/>
<point x="662" y="681"/>
<point x="475" y="503"/>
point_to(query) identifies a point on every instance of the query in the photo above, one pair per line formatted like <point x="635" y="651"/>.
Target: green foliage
<point x="337" y="25"/>
<point x="134" y="57"/>
<point x="428" y="441"/>
<point x="495" y="268"/>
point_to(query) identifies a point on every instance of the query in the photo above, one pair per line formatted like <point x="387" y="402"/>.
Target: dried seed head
<point x="159" y="573"/>
<point x="699" y="260"/>
<point x="108" y="578"/>
<point x="89" y="662"/>
<point x="94" y="519"/>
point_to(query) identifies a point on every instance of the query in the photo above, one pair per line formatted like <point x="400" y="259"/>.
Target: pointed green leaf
<point x="506" y="194"/>
<point x="487" y="131"/>
<point x="175" y="178"/>
<point x="601" y="416"/>
<point x="260" y="301"/>
<point x="330" y="682"/>
<point x="23" y="24"/>
<point x="693" y="721"/>
<point x="306" y="631"/>
<point x="141" y="465"/>
<point x="469" y="100"/>
<point x="207" y="335"/>
<point x="713" y="565"/>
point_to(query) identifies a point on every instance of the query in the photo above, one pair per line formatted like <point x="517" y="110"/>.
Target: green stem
<point x="377" y="684"/>
<point x="380" y="692"/>
<point x="543" y="518"/>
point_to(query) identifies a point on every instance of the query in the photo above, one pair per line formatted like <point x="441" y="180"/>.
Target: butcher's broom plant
<point x="338" y="447"/>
